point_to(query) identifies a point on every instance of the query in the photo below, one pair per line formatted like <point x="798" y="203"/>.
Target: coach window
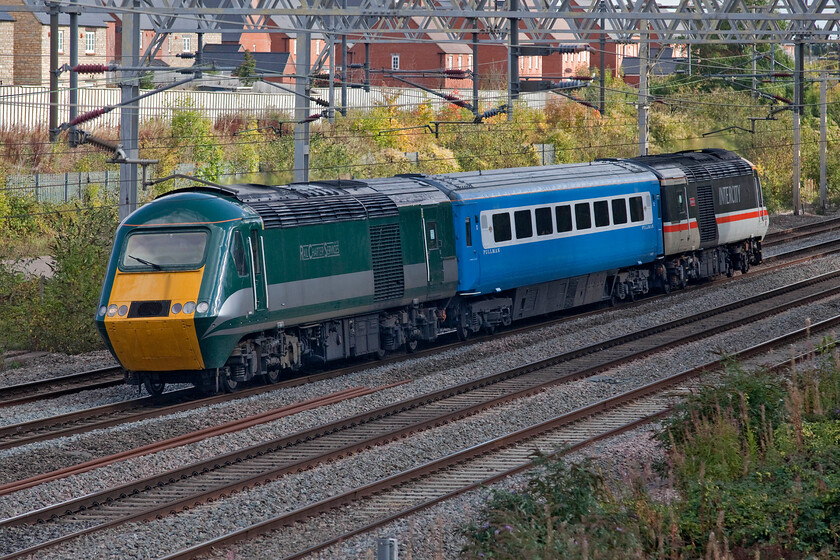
<point x="583" y="219"/>
<point x="468" y="230"/>
<point x="237" y="251"/>
<point x="619" y="211"/>
<point x="524" y="227"/>
<point x="501" y="227"/>
<point x="602" y="213"/>
<point x="544" y="223"/>
<point x="564" y="218"/>
<point x="637" y="210"/>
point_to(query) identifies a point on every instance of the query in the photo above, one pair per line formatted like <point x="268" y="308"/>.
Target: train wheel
<point x="229" y="384"/>
<point x="411" y="346"/>
<point x="272" y="376"/>
<point x="745" y="266"/>
<point x="154" y="386"/>
<point x="464" y="332"/>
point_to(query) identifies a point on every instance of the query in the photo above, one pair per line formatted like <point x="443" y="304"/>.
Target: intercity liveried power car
<point x="215" y="285"/>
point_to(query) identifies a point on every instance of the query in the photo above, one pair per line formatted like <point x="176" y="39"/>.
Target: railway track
<point x="792" y="234"/>
<point x="411" y="491"/>
<point x="63" y="385"/>
<point x="144" y="408"/>
<point x="183" y="488"/>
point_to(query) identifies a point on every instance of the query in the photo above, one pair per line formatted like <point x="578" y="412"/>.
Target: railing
<point x="28" y="106"/>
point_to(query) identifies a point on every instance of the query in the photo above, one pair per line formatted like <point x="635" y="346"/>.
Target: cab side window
<point x="237" y="252"/>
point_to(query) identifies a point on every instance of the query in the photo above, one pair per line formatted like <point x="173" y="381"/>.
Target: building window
<point x="317" y="48"/>
<point x="469" y="60"/>
<point x="395" y="62"/>
<point x="90" y="42"/>
<point x="460" y="61"/>
<point x="61" y="40"/>
<point x="449" y="61"/>
<point x="187" y="44"/>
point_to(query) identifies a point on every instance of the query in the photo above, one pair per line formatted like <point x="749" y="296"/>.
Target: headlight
<point x="189" y="307"/>
<point x="112" y="310"/>
<point x="202" y="307"/>
<point x="123" y="310"/>
<point x="176" y="308"/>
<point x="103" y="310"/>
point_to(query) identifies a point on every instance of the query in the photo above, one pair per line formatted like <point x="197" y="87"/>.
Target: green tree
<point x="246" y="72"/>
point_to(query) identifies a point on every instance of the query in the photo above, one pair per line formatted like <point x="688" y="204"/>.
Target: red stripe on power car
<point x="743" y="216"/>
<point x="679" y="227"/>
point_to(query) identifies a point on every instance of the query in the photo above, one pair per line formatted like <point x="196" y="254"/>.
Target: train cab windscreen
<point x="183" y="250"/>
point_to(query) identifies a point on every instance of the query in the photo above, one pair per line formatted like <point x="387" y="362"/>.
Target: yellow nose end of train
<point x="145" y="332"/>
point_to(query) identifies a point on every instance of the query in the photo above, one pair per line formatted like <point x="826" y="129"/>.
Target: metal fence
<point x="28" y="106"/>
<point x="62" y="187"/>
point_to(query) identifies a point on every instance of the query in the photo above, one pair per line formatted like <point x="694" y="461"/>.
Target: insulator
<point x="88" y="116"/>
<point x="582" y="78"/>
<point x="319" y="101"/>
<point x="569" y="84"/>
<point x="456" y="74"/>
<point x="313" y="117"/>
<point x="90" y="68"/>
<point x="781" y="75"/>
<point x="782" y="99"/>
<point x="101" y="144"/>
<point x="568" y="49"/>
<point x="493" y="112"/>
<point x="456" y="101"/>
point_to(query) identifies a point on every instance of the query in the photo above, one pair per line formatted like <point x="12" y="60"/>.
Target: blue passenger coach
<point x="531" y="226"/>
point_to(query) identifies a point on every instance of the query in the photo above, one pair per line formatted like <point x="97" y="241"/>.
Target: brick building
<point x="7" y="48"/>
<point x="171" y="45"/>
<point x="32" y="44"/>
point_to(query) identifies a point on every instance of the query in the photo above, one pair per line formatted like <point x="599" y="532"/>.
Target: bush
<point x="566" y="512"/>
<point x="757" y="465"/>
<point x="56" y="313"/>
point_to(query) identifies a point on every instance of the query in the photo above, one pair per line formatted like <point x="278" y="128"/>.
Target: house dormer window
<point x="90" y="42"/>
<point x="395" y="62"/>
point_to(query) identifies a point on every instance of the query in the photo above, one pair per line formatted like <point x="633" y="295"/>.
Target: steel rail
<point x="147" y="407"/>
<point x="798" y="232"/>
<point x="400" y="432"/>
<point x="384" y="490"/>
<point x="67" y="384"/>
<point x="717" y="314"/>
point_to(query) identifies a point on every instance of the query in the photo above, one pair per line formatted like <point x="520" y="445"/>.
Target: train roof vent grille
<point x="324" y="210"/>
<point x="308" y="190"/>
<point x="705" y="171"/>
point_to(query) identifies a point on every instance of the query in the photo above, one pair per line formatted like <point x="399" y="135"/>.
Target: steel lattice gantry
<point x="684" y="21"/>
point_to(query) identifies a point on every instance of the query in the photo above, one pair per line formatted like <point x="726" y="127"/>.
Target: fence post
<point x="37" y="177"/>
<point x="66" y="186"/>
<point x="80" y="185"/>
